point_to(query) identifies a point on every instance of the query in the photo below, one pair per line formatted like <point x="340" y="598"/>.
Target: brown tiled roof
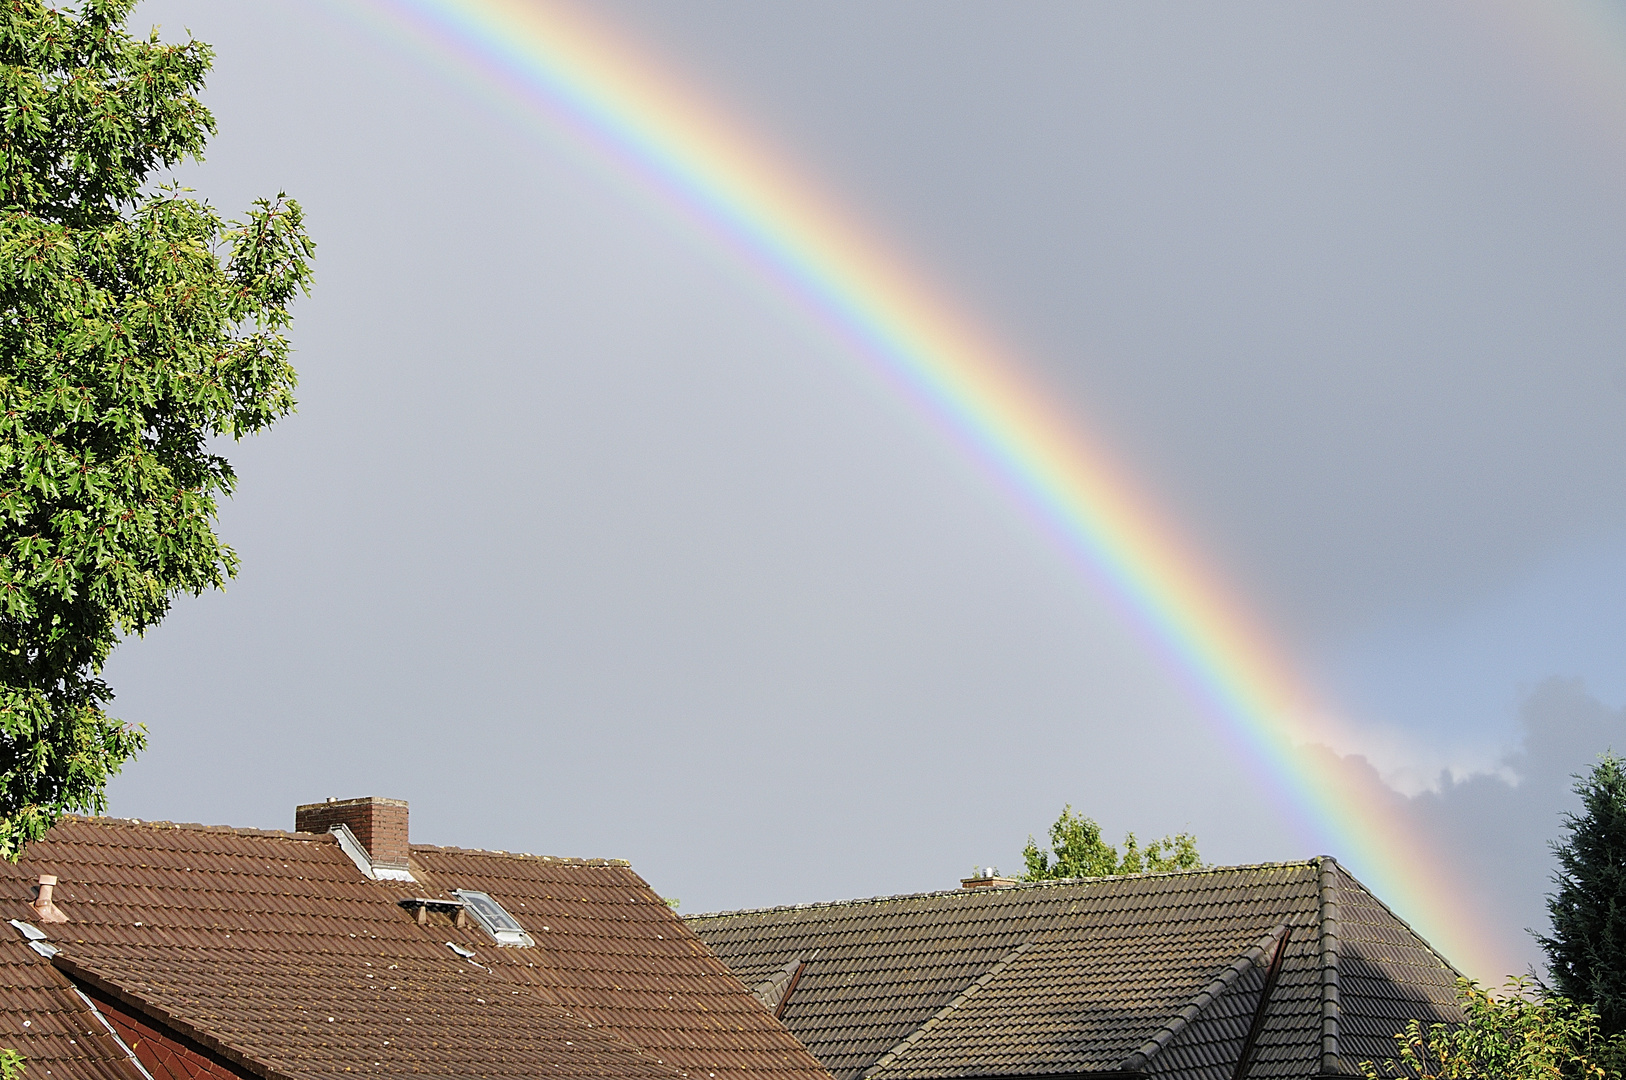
<point x="45" y="1020"/>
<point x="165" y="1054"/>
<point x="272" y="952"/>
<point x="1157" y="974"/>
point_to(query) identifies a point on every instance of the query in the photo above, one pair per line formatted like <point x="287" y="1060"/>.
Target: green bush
<point x="1521" y="1033"/>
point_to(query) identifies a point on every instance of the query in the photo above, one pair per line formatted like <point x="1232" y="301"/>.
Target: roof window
<point x="503" y="927"/>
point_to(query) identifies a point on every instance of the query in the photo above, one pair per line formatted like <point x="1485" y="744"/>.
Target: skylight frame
<point x="494" y="919"/>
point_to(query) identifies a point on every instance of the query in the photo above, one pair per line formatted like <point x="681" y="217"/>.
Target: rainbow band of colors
<point x="583" y="82"/>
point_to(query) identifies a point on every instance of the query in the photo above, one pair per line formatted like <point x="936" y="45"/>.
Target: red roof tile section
<point x="43" y="1019"/>
<point x="271" y="954"/>
<point x="164" y="1054"/>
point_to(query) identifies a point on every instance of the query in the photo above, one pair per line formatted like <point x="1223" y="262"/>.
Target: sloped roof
<point x="50" y="1025"/>
<point x="1157" y="973"/>
<point x="274" y="952"/>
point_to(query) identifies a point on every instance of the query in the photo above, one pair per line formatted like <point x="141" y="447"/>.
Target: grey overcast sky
<point x="585" y="545"/>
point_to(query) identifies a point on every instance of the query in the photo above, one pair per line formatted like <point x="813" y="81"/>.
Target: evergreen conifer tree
<point x="1587" y="950"/>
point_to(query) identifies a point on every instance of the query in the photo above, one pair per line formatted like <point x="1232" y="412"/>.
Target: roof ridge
<point x="941" y="1014"/>
<point x="1331" y="919"/>
<point x="193" y="826"/>
<point x="1137" y="1061"/>
<point x="284" y="834"/>
<point x="1047" y="883"/>
<point x="498" y="853"/>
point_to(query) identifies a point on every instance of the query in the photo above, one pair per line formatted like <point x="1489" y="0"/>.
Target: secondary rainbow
<point x="548" y="65"/>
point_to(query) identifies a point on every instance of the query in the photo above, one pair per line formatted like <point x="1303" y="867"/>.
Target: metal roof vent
<point x="503" y="927"/>
<point x="421" y="906"/>
<point x="36" y="938"/>
<point x="364" y="862"/>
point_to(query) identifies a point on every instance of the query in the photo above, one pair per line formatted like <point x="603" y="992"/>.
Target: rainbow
<point x="641" y="125"/>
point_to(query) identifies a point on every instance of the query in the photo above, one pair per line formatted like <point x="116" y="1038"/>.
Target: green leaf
<point x="135" y="325"/>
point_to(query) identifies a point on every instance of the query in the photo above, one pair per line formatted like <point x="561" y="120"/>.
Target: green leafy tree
<point x="1519" y="1034"/>
<point x="1177" y="852"/>
<point x="1587" y="950"/>
<point x="136" y="328"/>
<point x="1077" y="850"/>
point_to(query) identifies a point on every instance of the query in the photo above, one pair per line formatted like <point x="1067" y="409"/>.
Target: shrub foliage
<point x="1522" y="1033"/>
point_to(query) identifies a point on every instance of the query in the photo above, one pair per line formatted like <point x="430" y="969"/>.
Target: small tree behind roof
<point x="1077" y="850"/>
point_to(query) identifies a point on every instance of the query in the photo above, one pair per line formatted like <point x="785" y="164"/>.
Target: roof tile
<point x="1077" y="976"/>
<point x="272" y="949"/>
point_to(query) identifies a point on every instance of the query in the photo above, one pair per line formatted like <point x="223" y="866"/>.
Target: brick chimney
<point x="379" y="824"/>
<point x="986" y="877"/>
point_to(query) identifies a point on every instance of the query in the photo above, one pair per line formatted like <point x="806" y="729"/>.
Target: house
<point x="1279" y="970"/>
<point x="155" y="951"/>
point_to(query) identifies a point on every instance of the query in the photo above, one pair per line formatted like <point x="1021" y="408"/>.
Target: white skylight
<point x="503" y="927"/>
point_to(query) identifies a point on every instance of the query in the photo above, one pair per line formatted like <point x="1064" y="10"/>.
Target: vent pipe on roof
<point x="379" y="825"/>
<point x="43" y="905"/>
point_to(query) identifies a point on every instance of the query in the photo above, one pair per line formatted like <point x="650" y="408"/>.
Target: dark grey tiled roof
<point x="1158" y="974"/>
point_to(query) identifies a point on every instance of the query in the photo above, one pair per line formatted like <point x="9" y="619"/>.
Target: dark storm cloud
<point x="1495" y="831"/>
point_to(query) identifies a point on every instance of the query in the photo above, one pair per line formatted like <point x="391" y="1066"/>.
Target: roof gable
<point x="1386" y="974"/>
<point x="1156" y="973"/>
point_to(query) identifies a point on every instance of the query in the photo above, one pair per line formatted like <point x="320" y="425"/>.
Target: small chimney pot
<point x="987" y="877"/>
<point x="45" y="908"/>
